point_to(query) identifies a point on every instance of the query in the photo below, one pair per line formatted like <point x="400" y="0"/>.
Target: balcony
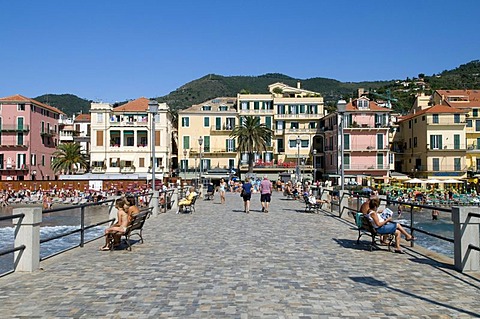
<point x="13" y="146"/>
<point x="366" y="167"/>
<point x="98" y="170"/>
<point x="129" y="124"/>
<point x="223" y="130"/>
<point x="213" y="151"/>
<point x="12" y="167"/>
<point x="127" y="170"/>
<point x="301" y="130"/>
<point x="49" y="133"/>
<point x="14" y="128"/>
<point x="301" y="116"/>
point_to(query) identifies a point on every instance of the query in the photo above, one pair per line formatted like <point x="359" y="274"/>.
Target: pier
<point x="222" y="263"/>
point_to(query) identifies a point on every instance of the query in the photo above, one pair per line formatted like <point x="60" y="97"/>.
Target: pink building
<point x="28" y="138"/>
<point x="366" y="142"/>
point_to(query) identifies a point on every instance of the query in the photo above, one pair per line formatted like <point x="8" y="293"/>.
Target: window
<point x="186" y="142"/>
<point x="223" y="108"/>
<point x="380" y="141"/>
<point x="380" y="160"/>
<point x="21" y="107"/>
<point x="99" y="117"/>
<point x="230" y="145"/>
<point x="280" y="145"/>
<point x="305" y="143"/>
<point x="293" y="109"/>
<point x="19" y="138"/>
<point x="477" y="125"/>
<point x="456" y="118"/>
<point x="245" y="105"/>
<point x="43" y="160"/>
<point x="456" y="141"/>
<point x="435" y="118"/>
<point x="33" y="159"/>
<point x="207" y="108"/>
<point x="294" y="125"/>
<point x="436" y="164"/>
<point x="281" y="109"/>
<point x="21" y="161"/>
<point x="256" y="105"/>
<point x="475" y="112"/>
<point x="185" y="122"/>
<point x="99" y="138"/>
<point x="128" y="138"/>
<point x="206" y="121"/>
<point x="42" y="128"/>
<point x="279" y="125"/>
<point x="218" y="123"/>
<point x="469" y="123"/>
<point x="435" y="142"/>
<point x="457" y="164"/>
<point x="292" y="143"/>
<point x="206" y="144"/>
<point x="414" y="141"/>
<point x="346" y="141"/>
<point x="268" y="122"/>
<point x="346" y="161"/>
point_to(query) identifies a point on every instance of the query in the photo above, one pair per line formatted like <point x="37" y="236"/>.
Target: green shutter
<point x="218" y="123"/>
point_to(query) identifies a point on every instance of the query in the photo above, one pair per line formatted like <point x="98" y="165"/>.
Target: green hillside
<point x="212" y="85"/>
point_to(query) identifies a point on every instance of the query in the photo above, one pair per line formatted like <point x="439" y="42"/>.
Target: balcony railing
<point x="14" y="128"/>
<point x="49" y="133"/>
<point x="130" y="124"/>
<point x="13" y="167"/>
<point x="3" y="146"/>
<point x="367" y="167"/>
<point x="225" y="129"/>
<point x="194" y="151"/>
<point x="98" y="170"/>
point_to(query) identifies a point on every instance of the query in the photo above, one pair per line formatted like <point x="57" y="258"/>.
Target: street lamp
<point x="297" y="173"/>
<point x="314" y="165"/>
<point x="200" y="142"/>
<point x="341" y="107"/>
<point x="185" y="164"/>
<point x="153" y="110"/>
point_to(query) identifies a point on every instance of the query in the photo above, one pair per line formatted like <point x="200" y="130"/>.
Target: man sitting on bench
<point x="188" y="200"/>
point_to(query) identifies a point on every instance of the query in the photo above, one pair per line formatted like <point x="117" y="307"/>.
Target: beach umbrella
<point x="434" y="181"/>
<point x="452" y="181"/>
<point x="414" y="181"/>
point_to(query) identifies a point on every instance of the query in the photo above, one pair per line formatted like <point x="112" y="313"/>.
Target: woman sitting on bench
<point x="187" y="201"/>
<point x="119" y="226"/>
<point x="386" y="226"/>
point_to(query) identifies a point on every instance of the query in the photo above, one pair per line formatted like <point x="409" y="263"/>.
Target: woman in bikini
<point x="119" y="227"/>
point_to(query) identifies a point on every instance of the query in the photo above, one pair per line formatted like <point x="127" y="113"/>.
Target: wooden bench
<point x="135" y="227"/>
<point x="190" y="207"/>
<point x="365" y="227"/>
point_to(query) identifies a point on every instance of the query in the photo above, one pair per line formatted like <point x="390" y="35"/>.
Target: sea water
<point x="53" y="224"/>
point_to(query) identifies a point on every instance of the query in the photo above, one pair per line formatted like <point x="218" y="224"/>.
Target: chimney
<point x="298" y="84"/>
<point x="361" y="91"/>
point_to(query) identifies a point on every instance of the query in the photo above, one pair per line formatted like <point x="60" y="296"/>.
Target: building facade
<point x="121" y="139"/>
<point x="28" y="138"/>
<point x="367" y="153"/>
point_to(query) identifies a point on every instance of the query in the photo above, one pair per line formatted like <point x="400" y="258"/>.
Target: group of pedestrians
<point x="265" y="194"/>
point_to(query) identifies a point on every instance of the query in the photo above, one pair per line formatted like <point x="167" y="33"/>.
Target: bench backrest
<point x="137" y="221"/>
<point x="194" y="199"/>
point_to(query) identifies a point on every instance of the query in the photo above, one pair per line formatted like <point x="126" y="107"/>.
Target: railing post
<point x="465" y="232"/>
<point x="27" y="233"/>
<point x="154" y="203"/>
<point x="82" y="226"/>
<point x="342" y="202"/>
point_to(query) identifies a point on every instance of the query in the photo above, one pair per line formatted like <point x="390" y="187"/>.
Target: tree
<point x="68" y="158"/>
<point x="252" y="137"/>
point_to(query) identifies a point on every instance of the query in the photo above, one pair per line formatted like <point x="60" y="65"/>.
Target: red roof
<point x="372" y="106"/>
<point x="83" y="118"/>
<point x="466" y="98"/>
<point x="138" y="105"/>
<point x="436" y="109"/>
<point x="20" y="98"/>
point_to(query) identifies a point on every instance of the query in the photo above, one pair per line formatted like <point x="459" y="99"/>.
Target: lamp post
<point x="297" y="173"/>
<point x="185" y="164"/>
<point x="200" y="142"/>
<point x="341" y="107"/>
<point x="314" y="165"/>
<point x="153" y="110"/>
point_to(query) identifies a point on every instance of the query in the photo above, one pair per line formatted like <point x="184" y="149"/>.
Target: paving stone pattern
<point x="222" y="263"/>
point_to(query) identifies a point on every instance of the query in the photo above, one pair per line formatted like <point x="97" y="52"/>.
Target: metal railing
<point x="14" y="249"/>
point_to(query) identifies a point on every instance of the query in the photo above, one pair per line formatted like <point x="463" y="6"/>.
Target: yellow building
<point x="291" y="112"/>
<point x="209" y="123"/>
<point x="431" y="143"/>
<point x="469" y="101"/>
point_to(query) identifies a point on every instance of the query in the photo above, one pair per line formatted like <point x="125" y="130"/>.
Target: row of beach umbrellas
<point x="433" y="181"/>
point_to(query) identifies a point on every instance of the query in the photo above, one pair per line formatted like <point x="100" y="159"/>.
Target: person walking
<point x="265" y="193"/>
<point x="221" y="189"/>
<point x="246" y="194"/>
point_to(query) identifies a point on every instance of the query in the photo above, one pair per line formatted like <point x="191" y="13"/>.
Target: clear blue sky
<point x="116" y="50"/>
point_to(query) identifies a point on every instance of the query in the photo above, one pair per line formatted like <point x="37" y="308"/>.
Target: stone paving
<point x="222" y="263"/>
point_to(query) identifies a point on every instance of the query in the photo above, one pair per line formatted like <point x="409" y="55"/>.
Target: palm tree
<point x="252" y="137"/>
<point x="68" y="157"/>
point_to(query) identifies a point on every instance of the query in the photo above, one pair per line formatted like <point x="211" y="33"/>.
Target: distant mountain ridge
<point x="212" y="85"/>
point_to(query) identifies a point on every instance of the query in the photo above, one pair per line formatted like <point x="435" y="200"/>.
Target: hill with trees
<point x="212" y="85"/>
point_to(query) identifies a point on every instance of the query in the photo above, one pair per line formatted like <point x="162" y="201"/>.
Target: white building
<point x="121" y="139"/>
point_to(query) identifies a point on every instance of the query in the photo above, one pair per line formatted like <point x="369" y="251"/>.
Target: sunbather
<point x="119" y="227"/>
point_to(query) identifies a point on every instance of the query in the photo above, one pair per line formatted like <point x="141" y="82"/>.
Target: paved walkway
<point x="222" y="263"/>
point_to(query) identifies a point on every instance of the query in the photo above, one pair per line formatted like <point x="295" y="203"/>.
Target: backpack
<point x="358" y="220"/>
